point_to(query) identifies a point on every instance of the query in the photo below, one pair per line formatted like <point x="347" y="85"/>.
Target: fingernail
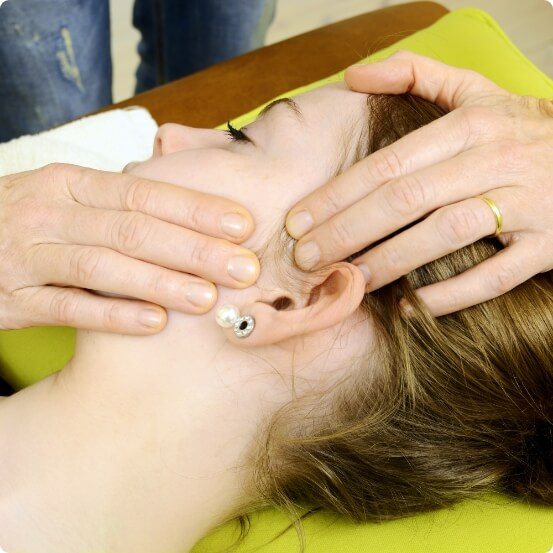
<point x="365" y="270"/>
<point x="308" y="255"/>
<point x="299" y="223"/>
<point x="234" y="224"/>
<point x="406" y="307"/>
<point x="150" y="318"/>
<point x="243" y="268"/>
<point x="200" y="295"/>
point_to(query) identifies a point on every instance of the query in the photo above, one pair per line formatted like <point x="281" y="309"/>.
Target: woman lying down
<point x="322" y="395"/>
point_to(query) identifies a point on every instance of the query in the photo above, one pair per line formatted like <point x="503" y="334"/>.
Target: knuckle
<point x="131" y="231"/>
<point x="137" y="195"/>
<point x="405" y="196"/>
<point x="196" y="215"/>
<point x="342" y="233"/>
<point x="329" y="201"/>
<point x="84" y="265"/>
<point x="391" y="258"/>
<point x="388" y="164"/>
<point x="51" y="169"/>
<point x="403" y="55"/>
<point x="63" y="308"/>
<point x="457" y="224"/>
<point x="53" y="172"/>
<point x="163" y="284"/>
<point x="510" y="156"/>
<point x="201" y="253"/>
<point x="20" y="310"/>
<point x="477" y="119"/>
<point x="505" y="279"/>
<point x="111" y="315"/>
<point x="452" y="301"/>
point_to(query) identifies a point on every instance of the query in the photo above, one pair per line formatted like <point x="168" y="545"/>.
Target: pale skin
<point x="149" y="432"/>
<point x="67" y="231"/>
<point x="492" y="143"/>
<point x="142" y="444"/>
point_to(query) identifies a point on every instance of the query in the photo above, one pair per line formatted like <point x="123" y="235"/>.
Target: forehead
<point x="322" y="124"/>
<point x="329" y="97"/>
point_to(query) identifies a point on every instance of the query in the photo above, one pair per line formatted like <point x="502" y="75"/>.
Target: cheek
<point x="216" y="172"/>
<point x="267" y="188"/>
<point x="220" y="173"/>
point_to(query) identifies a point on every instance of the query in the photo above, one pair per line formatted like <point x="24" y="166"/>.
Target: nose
<point x="172" y="138"/>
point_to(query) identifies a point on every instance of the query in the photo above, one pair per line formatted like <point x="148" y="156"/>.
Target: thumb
<point x="447" y="86"/>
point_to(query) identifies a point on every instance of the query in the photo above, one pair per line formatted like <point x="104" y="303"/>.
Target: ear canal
<point x="281" y="317"/>
<point x="283" y="303"/>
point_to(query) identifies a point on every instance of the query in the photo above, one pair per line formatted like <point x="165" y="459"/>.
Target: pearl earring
<point x="229" y="316"/>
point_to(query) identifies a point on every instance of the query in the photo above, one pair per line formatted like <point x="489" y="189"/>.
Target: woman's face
<point x="289" y="151"/>
<point x="293" y="148"/>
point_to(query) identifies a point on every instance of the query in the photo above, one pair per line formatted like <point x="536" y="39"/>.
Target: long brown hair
<point x="457" y="405"/>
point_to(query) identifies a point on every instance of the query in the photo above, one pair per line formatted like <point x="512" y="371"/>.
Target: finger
<point x="446" y="137"/>
<point x="203" y="213"/>
<point x="491" y="278"/>
<point x="52" y="306"/>
<point x="447" y="86"/>
<point x="105" y="270"/>
<point x="446" y="230"/>
<point x="149" y="239"/>
<point x="405" y="200"/>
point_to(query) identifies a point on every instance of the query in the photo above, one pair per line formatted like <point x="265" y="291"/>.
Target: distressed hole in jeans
<point x="68" y="61"/>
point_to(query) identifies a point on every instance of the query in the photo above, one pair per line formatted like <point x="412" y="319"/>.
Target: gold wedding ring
<point x="496" y="212"/>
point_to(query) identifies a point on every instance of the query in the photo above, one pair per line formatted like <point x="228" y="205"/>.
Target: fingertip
<point x="354" y="75"/>
<point x="365" y="271"/>
<point x="299" y="222"/>
<point x="152" y="319"/>
<point x="202" y="296"/>
<point x="367" y="77"/>
<point x="307" y="255"/>
<point x="250" y="223"/>
<point x="354" y="69"/>
<point x="289" y="227"/>
<point x="244" y="269"/>
<point x="237" y="225"/>
<point x="406" y="308"/>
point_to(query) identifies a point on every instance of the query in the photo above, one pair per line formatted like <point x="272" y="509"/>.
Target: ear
<point x="337" y="295"/>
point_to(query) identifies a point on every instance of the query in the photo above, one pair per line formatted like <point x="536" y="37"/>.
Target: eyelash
<point x="236" y="134"/>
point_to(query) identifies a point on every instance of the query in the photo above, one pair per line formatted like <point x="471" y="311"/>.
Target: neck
<point x="104" y="448"/>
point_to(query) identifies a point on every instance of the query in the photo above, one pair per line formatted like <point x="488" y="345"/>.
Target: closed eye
<point x="238" y="135"/>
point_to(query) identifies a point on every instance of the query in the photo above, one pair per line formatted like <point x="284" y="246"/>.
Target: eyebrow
<point x="288" y="102"/>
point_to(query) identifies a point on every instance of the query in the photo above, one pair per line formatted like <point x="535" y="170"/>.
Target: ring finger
<point x="444" y="231"/>
<point x="398" y="203"/>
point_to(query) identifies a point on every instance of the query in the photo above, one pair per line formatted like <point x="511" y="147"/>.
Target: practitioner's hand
<point x="66" y="229"/>
<point x="493" y="143"/>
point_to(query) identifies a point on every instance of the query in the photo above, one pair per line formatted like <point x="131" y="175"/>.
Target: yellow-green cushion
<point x="465" y="38"/>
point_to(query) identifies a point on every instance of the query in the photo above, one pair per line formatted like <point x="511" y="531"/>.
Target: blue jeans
<point x="55" y="61"/>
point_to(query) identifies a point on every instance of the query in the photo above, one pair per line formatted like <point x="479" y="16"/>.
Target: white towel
<point x="106" y="141"/>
